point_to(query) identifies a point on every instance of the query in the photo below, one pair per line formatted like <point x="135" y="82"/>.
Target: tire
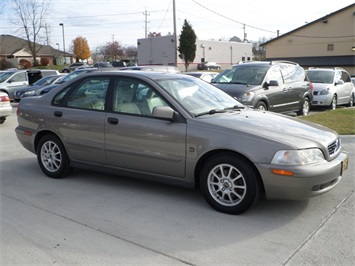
<point x="229" y="183"/>
<point x="261" y="106"/>
<point x="351" y="101"/>
<point x="52" y="157"/>
<point x="2" y="120"/>
<point x="333" y="104"/>
<point x="304" y="108"/>
<point x="65" y="71"/>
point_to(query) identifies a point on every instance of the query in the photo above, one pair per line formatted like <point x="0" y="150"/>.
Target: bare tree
<point x="30" y="17"/>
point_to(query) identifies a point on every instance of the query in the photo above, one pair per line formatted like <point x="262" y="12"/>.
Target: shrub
<point x="44" y="61"/>
<point x="25" y="64"/>
<point x="5" y="64"/>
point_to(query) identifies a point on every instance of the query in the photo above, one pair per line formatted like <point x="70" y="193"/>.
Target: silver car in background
<point x="182" y="130"/>
<point x="332" y="87"/>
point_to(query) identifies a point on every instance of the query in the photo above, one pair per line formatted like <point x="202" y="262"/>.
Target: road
<point x="92" y="218"/>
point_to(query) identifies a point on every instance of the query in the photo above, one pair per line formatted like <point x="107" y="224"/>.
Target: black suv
<point x="279" y="86"/>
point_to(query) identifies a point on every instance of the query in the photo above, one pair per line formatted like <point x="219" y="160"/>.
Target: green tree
<point x="81" y="48"/>
<point x="187" y="44"/>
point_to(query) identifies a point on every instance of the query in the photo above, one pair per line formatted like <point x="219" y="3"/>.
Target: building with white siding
<point x="161" y="50"/>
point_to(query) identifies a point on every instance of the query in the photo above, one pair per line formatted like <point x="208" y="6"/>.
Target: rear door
<point x="344" y="90"/>
<point x="296" y="86"/>
<point x="79" y="115"/>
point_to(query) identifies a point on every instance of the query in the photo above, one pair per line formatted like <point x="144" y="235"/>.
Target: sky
<point x="125" y="21"/>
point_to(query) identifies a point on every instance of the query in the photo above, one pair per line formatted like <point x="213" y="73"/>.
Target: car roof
<point x="133" y="73"/>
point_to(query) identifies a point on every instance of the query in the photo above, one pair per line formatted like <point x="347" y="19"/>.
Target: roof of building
<point x="323" y="18"/>
<point x="11" y="44"/>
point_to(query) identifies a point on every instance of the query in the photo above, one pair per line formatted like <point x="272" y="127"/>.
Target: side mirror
<point x="266" y="85"/>
<point x="163" y="112"/>
<point x="273" y="83"/>
<point x="339" y="82"/>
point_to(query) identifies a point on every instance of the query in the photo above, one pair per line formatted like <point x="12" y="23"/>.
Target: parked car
<point x="353" y="80"/>
<point x="10" y="81"/>
<point x="73" y="67"/>
<point x="118" y="63"/>
<point x="5" y="107"/>
<point x="332" y="87"/>
<point x="179" y="129"/>
<point x="206" y="76"/>
<point x="278" y="86"/>
<point x="67" y="78"/>
<point x="103" y="65"/>
<point x="208" y="66"/>
<point x="33" y="90"/>
<point x="158" y="68"/>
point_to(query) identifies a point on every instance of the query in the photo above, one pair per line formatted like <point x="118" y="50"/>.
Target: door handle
<point x="112" y="121"/>
<point x="58" y="113"/>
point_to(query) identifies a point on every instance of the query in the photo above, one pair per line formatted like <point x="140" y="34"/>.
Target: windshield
<point x="241" y="74"/>
<point x="197" y="96"/>
<point x="4" y="76"/>
<point x="326" y="77"/>
<point x="71" y="76"/>
<point x="45" y="81"/>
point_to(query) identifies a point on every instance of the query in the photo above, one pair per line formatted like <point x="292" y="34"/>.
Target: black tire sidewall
<point x="250" y="179"/>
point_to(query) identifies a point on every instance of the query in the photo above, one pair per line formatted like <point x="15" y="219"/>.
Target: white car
<point x="5" y="107"/>
<point x="204" y="75"/>
<point x="332" y="87"/>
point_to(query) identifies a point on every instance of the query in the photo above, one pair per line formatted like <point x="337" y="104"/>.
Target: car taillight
<point x="4" y="98"/>
<point x="311" y="85"/>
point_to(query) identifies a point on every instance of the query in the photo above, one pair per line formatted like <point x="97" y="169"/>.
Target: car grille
<point x="315" y="92"/>
<point x="334" y="147"/>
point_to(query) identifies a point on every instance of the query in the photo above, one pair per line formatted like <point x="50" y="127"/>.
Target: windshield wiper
<point x="235" y="107"/>
<point x="211" y="112"/>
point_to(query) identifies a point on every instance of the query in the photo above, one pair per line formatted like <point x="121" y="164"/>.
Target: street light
<point x="62" y="25"/>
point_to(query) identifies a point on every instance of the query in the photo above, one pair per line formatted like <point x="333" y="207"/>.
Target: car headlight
<point x="247" y="97"/>
<point x="27" y="93"/>
<point x="297" y="157"/>
<point x="324" y="92"/>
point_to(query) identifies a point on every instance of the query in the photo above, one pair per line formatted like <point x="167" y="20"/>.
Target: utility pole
<point x="175" y="34"/>
<point x="146" y="23"/>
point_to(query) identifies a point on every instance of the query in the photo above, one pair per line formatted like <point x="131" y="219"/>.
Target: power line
<point x="223" y="16"/>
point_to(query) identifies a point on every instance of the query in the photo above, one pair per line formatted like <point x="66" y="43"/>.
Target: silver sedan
<point x="182" y="130"/>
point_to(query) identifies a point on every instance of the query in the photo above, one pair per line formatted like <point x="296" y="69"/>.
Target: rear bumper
<point x="5" y="111"/>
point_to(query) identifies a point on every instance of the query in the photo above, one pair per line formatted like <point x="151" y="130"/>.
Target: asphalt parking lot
<point x="92" y="218"/>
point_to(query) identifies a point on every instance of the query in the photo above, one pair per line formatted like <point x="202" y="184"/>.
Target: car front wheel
<point x="261" y="106"/>
<point x="52" y="157"/>
<point x="333" y="104"/>
<point x="229" y="183"/>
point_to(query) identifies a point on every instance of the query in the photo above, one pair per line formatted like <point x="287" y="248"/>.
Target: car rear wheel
<point x="52" y="157"/>
<point x="333" y="104"/>
<point x="305" y="108"/>
<point x="229" y="183"/>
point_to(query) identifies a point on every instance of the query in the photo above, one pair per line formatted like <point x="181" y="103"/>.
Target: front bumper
<point x="322" y="100"/>
<point x="307" y="181"/>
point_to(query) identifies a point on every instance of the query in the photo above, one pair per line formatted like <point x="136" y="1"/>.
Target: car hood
<point x="235" y="90"/>
<point x="291" y="131"/>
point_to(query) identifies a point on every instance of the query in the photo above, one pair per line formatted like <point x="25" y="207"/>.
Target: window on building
<point x="330" y="47"/>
